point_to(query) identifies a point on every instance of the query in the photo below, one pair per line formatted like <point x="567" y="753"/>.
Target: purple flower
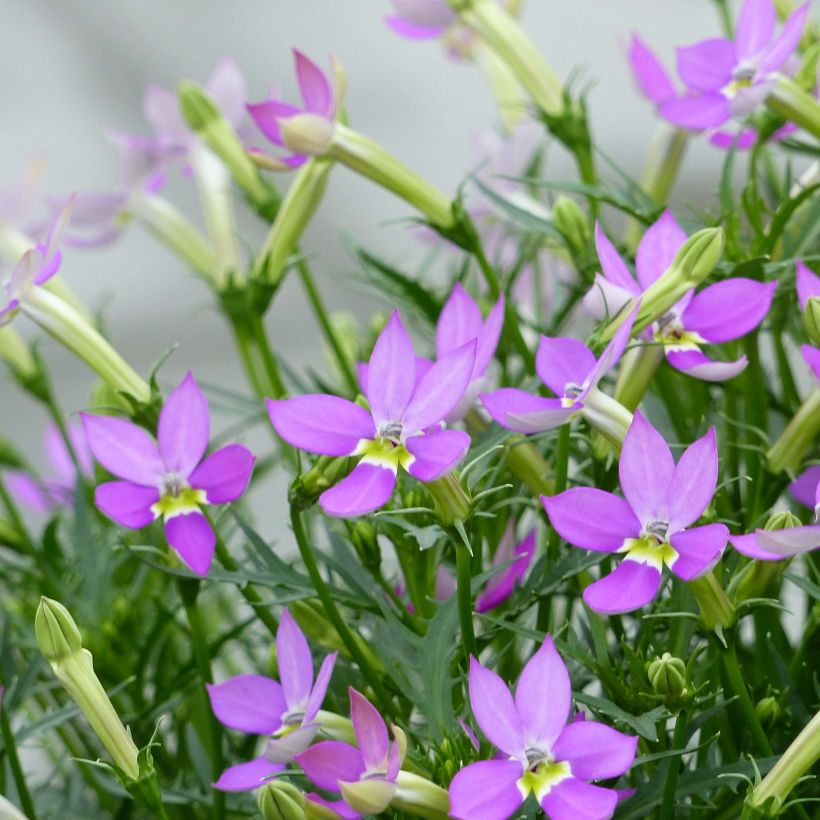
<point x="57" y="490"/>
<point x="402" y="427"/>
<point x="812" y="357"/>
<point x="719" y="313"/>
<point x="364" y="775"/>
<point x="319" y="103"/>
<point x="540" y="751"/>
<point x="651" y="526"/>
<point x="169" y="478"/>
<point x="569" y="368"/>
<point x="722" y="78"/>
<point x="36" y="266"/>
<point x="262" y="706"/>
<point x="775" y="545"/>
<point x="421" y="19"/>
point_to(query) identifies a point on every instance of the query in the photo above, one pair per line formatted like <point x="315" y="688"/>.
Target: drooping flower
<point x="569" y="368"/>
<point x="57" y="489"/>
<point x="169" y="478"/>
<point x="262" y="706"/>
<point x="540" y="752"/>
<point x="402" y="427"/>
<point x="319" y="110"/>
<point x="651" y="526"/>
<point x="777" y="544"/>
<point x="365" y="776"/>
<point x="719" y="313"/>
<point x="723" y="78"/>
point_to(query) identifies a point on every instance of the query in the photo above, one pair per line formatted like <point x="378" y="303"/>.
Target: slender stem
<point x="269" y="363"/>
<point x="16" y="769"/>
<point x="321" y="312"/>
<point x="737" y="684"/>
<point x="189" y="592"/>
<point x="725" y="17"/>
<point x="464" y="578"/>
<point x="334" y="615"/>
<point x="670" y="785"/>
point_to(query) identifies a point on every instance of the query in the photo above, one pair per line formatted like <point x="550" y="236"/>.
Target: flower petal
<point x="592" y="519"/>
<point x="657" y="248"/>
<point x="605" y="300"/>
<point x="486" y="790"/>
<point x="191" y="536"/>
<point x="314" y="86"/>
<point x="184" y="427"/>
<point x="755" y="26"/>
<point x="807" y="282"/>
<point x="458" y="323"/>
<point x="612" y="352"/>
<point x="125" y="450"/>
<point x="806" y="487"/>
<point x="707" y="65"/>
<point x="436" y="453"/>
<point x="785" y="44"/>
<point x="562" y="360"/>
<point x="791" y="541"/>
<point x="330" y="761"/>
<point x="650" y="75"/>
<point x="247" y="776"/>
<point x="391" y="376"/>
<point x="26" y="490"/>
<point x="728" y="310"/>
<point x="750" y="546"/>
<point x="595" y="751"/>
<point x="699" y="366"/>
<point x="425" y="12"/>
<point x="411" y="31"/>
<point x="371" y="732"/>
<point x="812" y="358"/>
<point x="319" y="423"/>
<point x="694" y="482"/>
<point x="267" y="115"/>
<point x="225" y="474"/>
<point x="285" y="748"/>
<point x="495" y="710"/>
<point x="698" y="549"/>
<point x="366" y="489"/>
<point x="294" y="661"/>
<point x="501" y="585"/>
<point x="488" y="338"/>
<point x="440" y="389"/>
<point x="646" y="470"/>
<point x="543" y="696"/>
<point x="126" y="503"/>
<point x="612" y="266"/>
<point x="317" y="694"/>
<point x="696" y="113"/>
<point x="628" y="587"/>
<point x="571" y="799"/>
<point x="518" y="410"/>
<point x="228" y="89"/>
<point x="248" y="703"/>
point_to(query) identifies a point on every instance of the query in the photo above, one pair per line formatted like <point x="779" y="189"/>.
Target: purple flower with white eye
<point x="719" y="313"/>
<point x="651" y="527"/>
<point x="56" y="490"/>
<point x="569" y="368"/>
<point x="365" y="776"/>
<point x="776" y="545"/>
<point x="540" y="751"/>
<point x="263" y="706"/>
<point x="36" y="266"/>
<point x="722" y="78"/>
<point x="319" y="105"/>
<point x="401" y="429"/>
<point x="169" y="478"/>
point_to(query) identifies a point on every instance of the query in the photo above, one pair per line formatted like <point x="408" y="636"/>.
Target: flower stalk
<point x="795" y="105"/>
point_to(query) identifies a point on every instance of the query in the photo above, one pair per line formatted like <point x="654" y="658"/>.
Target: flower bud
<point x="788" y="100"/>
<point x="16" y="353"/>
<point x="571" y="222"/>
<point x="280" y="800"/>
<point x="811" y="320"/>
<point x="365" y="542"/>
<point x="450" y="499"/>
<point x="782" y="521"/>
<point x="768" y="711"/>
<point x="368" y="796"/>
<point x="419" y="797"/>
<point x="57" y="634"/>
<point x="308" y="133"/>
<point x="667" y="675"/>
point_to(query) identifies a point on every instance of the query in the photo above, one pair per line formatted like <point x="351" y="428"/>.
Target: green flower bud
<point x="365" y="542"/>
<point x="419" y="797"/>
<point x="811" y="320"/>
<point x="57" y="634"/>
<point x="788" y="100"/>
<point x="768" y="711"/>
<point x="17" y="354"/>
<point x="571" y="222"/>
<point x="667" y="675"/>
<point x="280" y="800"/>
<point x="368" y="796"/>
<point x="782" y="521"/>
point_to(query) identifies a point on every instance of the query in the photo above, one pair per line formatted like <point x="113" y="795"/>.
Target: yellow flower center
<point x="384" y="452"/>
<point x="649" y="550"/>
<point x="541" y="778"/>
<point x="187" y="500"/>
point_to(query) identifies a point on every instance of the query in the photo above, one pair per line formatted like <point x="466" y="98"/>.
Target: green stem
<point x="464" y="579"/>
<point x="267" y="357"/>
<point x="335" y="616"/>
<point x="26" y="802"/>
<point x="16" y="519"/>
<point x="737" y="684"/>
<point x="725" y="17"/>
<point x="189" y="591"/>
<point x="670" y="784"/>
<point x="321" y="312"/>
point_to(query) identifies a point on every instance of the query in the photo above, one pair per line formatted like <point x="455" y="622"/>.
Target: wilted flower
<point x="402" y="427"/>
<point x="540" y="751"/>
<point x="262" y="706"/>
<point x="652" y="525"/>
<point x="719" y="313"/>
<point x="169" y="478"/>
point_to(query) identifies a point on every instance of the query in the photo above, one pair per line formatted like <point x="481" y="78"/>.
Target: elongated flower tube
<point x="539" y="752"/>
<point x="262" y="706"/>
<point x="572" y="372"/>
<point x="719" y="313"/>
<point x="16" y="353"/>
<point x="314" y="131"/>
<point x="169" y="478"/>
<point x="365" y="776"/>
<point x="781" y="543"/>
<point x="401" y="429"/>
<point x="651" y="526"/>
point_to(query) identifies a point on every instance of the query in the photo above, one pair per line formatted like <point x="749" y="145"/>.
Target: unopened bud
<point x="811" y="319"/>
<point x="57" y="634"/>
<point x="368" y="797"/>
<point x="279" y="800"/>
<point x="782" y="521"/>
<point x="571" y="222"/>
<point x="307" y="133"/>
<point x="768" y="711"/>
<point x="198" y="109"/>
<point x="419" y="797"/>
<point x="667" y="675"/>
<point x="365" y="542"/>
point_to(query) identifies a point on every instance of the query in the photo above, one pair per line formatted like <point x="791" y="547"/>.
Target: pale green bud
<point x="811" y="320"/>
<point x="571" y="222"/>
<point x="782" y="521"/>
<point x="310" y="134"/>
<point x="279" y="800"/>
<point x="450" y="499"/>
<point x="57" y="634"/>
<point x="800" y="434"/>
<point x="768" y="711"/>
<point x="788" y="100"/>
<point x="16" y="353"/>
<point x="368" y="796"/>
<point x="419" y="797"/>
<point x="667" y="675"/>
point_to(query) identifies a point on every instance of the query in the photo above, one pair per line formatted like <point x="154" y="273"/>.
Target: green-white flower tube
<point x="419" y="797"/>
<point x="507" y="91"/>
<point x="16" y="353"/>
<point x="791" y="102"/>
<point x="800" y="433"/>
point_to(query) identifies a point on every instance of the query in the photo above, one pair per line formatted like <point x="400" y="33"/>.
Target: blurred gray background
<point x="71" y="68"/>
